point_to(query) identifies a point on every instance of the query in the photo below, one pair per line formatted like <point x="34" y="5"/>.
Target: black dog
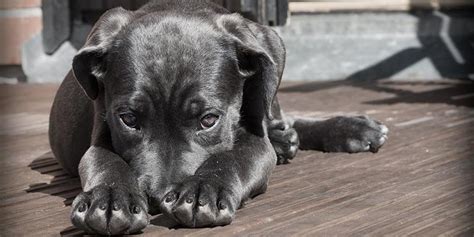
<point x="179" y="115"/>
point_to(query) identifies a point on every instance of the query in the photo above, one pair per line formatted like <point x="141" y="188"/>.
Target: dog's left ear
<point x="89" y="65"/>
<point x="260" y="54"/>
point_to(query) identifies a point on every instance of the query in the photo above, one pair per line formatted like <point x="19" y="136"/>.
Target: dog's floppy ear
<point x="260" y="54"/>
<point x="88" y="65"/>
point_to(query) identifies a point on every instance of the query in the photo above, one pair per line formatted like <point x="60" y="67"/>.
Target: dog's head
<point x="176" y="90"/>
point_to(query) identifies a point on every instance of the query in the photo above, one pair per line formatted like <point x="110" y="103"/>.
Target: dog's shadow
<point x="61" y="185"/>
<point x="67" y="187"/>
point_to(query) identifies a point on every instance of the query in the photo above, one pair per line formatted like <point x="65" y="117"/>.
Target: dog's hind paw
<point x="354" y="134"/>
<point x="284" y="140"/>
<point x="109" y="211"/>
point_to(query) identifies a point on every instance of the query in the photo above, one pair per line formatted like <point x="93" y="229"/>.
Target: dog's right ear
<point x="88" y="65"/>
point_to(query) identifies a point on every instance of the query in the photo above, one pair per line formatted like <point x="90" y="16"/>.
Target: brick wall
<point x="19" y="21"/>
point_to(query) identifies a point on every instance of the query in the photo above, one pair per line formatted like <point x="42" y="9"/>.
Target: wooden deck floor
<point x="421" y="181"/>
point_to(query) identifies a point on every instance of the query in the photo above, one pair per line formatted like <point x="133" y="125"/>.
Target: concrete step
<point x="373" y="45"/>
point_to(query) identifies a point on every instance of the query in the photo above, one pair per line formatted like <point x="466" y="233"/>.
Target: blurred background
<point x="325" y="39"/>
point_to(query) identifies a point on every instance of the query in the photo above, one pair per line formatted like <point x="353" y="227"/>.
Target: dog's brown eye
<point x="129" y="119"/>
<point x="209" y="120"/>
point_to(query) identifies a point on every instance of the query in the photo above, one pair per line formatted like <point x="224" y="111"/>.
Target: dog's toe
<point x="378" y="138"/>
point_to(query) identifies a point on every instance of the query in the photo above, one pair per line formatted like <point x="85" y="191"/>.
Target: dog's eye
<point x="209" y="120"/>
<point x="129" y="119"/>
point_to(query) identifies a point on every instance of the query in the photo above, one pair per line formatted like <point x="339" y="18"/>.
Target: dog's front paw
<point x="109" y="210"/>
<point x="354" y="134"/>
<point x="199" y="202"/>
<point x="284" y="140"/>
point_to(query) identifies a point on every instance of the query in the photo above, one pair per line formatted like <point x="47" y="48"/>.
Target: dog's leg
<point x="111" y="202"/>
<point x="340" y="134"/>
<point x="211" y="196"/>
<point x="70" y="124"/>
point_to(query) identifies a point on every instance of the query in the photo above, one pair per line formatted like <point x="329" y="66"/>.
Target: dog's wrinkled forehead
<point x="172" y="51"/>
